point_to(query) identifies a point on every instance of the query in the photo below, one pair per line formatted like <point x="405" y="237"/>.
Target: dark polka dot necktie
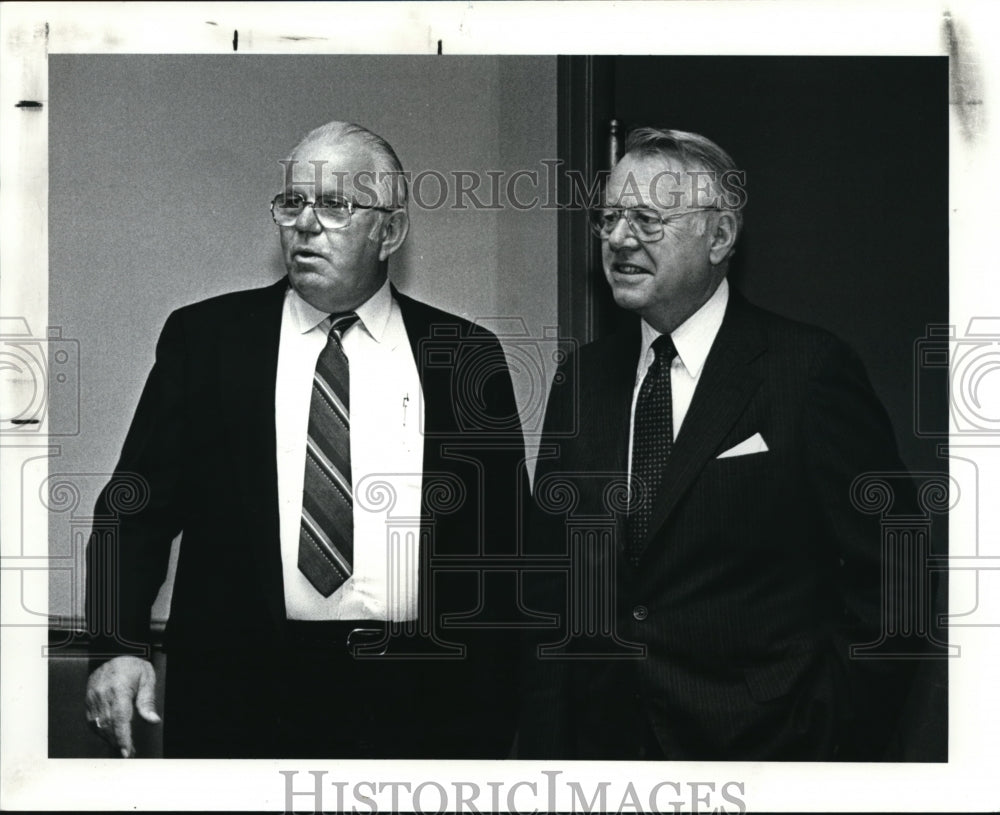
<point x="326" y="531"/>
<point x="652" y="440"/>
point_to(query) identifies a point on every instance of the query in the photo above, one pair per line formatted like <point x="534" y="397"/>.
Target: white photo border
<point x="32" y="31"/>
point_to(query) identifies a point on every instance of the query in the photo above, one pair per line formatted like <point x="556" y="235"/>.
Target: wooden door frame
<point x="585" y="94"/>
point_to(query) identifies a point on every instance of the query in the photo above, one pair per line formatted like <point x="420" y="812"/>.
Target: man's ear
<point x="392" y="232"/>
<point x="723" y="239"/>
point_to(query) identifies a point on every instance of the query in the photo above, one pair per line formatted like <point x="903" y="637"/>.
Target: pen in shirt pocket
<point x="406" y="401"/>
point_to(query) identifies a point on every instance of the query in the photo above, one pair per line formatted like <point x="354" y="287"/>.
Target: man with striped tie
<point x="313" y="442"/>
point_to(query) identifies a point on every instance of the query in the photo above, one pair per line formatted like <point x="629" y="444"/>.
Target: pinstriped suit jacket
<point x="732" y="634"/>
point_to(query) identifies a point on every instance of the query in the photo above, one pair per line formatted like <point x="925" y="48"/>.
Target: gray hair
<point x="694" y="152"/>
<point x="389" y="169"/>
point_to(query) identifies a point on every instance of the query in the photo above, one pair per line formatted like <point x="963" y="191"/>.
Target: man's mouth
<point x="306" y="254"/>
<point x="628" y="269"/>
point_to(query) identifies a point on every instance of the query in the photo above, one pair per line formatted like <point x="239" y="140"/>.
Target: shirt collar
<point x="694" y="337"/>
<point x="373" y="313"/>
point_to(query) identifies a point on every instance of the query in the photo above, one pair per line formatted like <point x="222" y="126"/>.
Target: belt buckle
<point x="358" y="638"/>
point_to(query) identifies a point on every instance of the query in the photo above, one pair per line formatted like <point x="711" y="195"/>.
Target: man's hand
<point x="112" y="691"/>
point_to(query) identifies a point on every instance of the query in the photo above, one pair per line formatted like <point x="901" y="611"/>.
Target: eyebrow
<point x="650" y="207"/>
<point x="326" y="195"/>
<point x="330" y="189"/>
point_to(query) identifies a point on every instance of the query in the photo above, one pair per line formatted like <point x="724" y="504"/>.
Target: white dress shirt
<point x="693" y="340"/>
<point x="386" y="458"/>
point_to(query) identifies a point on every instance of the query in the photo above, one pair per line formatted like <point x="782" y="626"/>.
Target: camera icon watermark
<point x="967" y="368"/>
<point x="475" y="368"/>
<point x="35" y="374"/>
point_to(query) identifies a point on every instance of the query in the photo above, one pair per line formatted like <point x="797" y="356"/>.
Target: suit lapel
<point x="249" y="368"/>
<point x="434" y="388"/>
<point x="727" y="383"/>
<point x="434" y="379"/>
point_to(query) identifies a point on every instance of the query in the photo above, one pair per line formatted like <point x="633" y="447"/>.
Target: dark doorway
<point x="846" y="223"/>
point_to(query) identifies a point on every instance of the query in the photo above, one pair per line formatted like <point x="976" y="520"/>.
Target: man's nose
<point x="622" y="234"/>
<point x="307" y="220"/>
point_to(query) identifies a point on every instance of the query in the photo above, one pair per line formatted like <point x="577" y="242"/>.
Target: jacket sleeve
<point x="506" y="489"/>
<point x="545" y="722"/>
<point x="849" y="441"/>
<point x="481" y="442"/>
<point x="138" y="513"/>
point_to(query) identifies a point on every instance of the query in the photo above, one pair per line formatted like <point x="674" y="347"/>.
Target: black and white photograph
<point x="445" y="407"/>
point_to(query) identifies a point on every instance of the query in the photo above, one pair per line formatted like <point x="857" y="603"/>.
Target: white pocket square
<point x="755" y="444"/>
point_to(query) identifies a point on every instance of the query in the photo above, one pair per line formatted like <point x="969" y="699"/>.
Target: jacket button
<point x="640" y="612"/>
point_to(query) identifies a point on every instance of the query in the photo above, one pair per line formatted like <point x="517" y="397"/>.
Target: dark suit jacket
<point x="758" y="572"/>
<point x="199" y="458"/>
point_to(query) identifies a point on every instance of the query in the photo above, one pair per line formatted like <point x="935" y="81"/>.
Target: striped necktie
<point x="326" y="532"/>
<point x="653" y="438"/>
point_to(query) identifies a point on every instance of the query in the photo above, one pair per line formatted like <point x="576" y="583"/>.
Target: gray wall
<point x="161" y="168"/>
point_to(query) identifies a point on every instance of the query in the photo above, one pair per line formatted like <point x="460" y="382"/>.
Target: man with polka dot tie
<point x="718" y="616"/>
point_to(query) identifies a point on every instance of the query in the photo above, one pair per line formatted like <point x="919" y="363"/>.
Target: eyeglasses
<point x="332" y="213"/>
<point x="646" y="224"/>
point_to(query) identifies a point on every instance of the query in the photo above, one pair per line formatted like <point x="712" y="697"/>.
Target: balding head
<point x="337" y="259"/>
<point x="385" y="186"/>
